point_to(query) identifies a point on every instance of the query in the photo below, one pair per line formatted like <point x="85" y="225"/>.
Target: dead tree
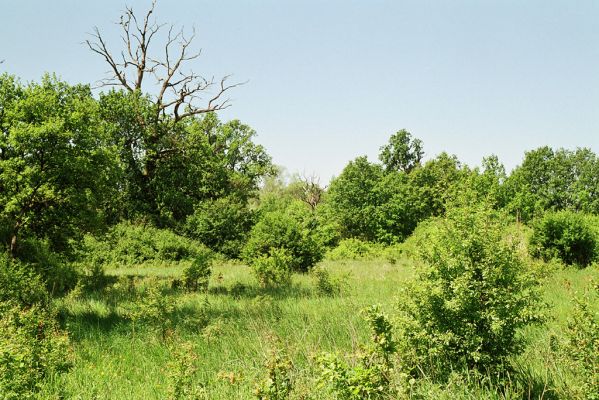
<point x="310" y="191"/>
<point x="180" y="94"/>
<point x="176" y="92"/>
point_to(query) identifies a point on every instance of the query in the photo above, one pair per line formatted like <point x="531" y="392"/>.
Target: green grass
<point x="234" y="325"/>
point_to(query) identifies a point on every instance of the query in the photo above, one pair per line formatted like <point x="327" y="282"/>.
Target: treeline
<point x="72" y="164"/>
<point x="385" y="202"/>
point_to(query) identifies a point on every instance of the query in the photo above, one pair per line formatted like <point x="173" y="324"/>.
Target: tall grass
<point x="233" y="326"/>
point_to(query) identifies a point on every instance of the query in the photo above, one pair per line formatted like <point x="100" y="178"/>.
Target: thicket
<point x="33" y="348"/>
<point x="564" y="235"/>
<point x="130" y="244"/>
<point x="369" y="374"/>
<point x="277" y="230"/>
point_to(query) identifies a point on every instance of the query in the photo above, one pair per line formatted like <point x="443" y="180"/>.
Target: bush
<point x="582" y="347"/>
<point x="94" y="278"/>
<point x="355" y="249"/>
<point x="564" y="235"/>
<point x="33" y="349"/>
<point x="222" y="224"/>
<point x="277" y="230"/>
<point x="421" y="234"/>
<point x="19" y="284"/>
<point x="183" y="373"/>
<point x="274" y="269"/>
<point x="196" y="275"/>
<point x="156" y="309"/>
<point x="59" y="275"/>
<point x="370" y="378"/>
<point x="130" y="244"/>
<point x="278" y="384"/>
<point x="471" y="297"/>
<point x="326" y="285"/>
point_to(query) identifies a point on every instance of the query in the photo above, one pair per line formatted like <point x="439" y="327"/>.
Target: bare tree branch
<point x="180" y="94"/>
<point x="310" y="191"/>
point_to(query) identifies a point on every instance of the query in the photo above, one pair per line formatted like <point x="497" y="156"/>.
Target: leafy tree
<point x="221" y="224"/>
<point x="554" y="180"/>
<point x="402" y="153"/>
<point x="175" y="152"/>
<point x="564" y="235"/>
<point x="56" y="166"/>
<point x="436" y="182"/>
<point x="399" y="209"/>
<point x="353" y="200"/>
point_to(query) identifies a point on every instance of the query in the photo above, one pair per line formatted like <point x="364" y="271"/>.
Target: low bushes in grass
<point x="184" y="382"/>
<point x="277" y="230"/>
<point x="579" y="349"/>
<point x="32" y="348"/>
<point x="355" y="249"/>
<point x="472" y="296"/>
<point x="274" y="269"/>
<point x="370" y="376"/>
<point x="197" y="274"/>
<point x="130" y="244"/>
<point x="565" y="235"/>
<point x="277" y="384"/>
<point x="328" y="285"/>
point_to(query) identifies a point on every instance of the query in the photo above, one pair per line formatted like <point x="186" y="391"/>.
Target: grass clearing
<point x="233" y="326"/>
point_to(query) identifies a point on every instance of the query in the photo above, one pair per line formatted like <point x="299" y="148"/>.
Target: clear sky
<point x="332" y="80"/>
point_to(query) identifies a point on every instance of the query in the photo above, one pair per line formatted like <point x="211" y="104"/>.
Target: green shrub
<point x="130" y="244"/>
<point x="411" y="246"/>
<point x="183" y="373"/>
<point x="277" y="230"/>
<point x="274" y="269"/>
<point x="582" y="349"/>
<point x="564" y="235"/>
<point x="471" y="297"/>
<point x="197" y="274"/>
<point x="278" y="384"/>
<point x="156" y="309"/>
<point x="370" y="377"/>
<point x="59" y="275"/>
<point x="355" y="249"/>
<point x="19" y="283"/>
<point x="222" y="225"/>
<point x="327" y="285"/>
<point x="94" y="278"/>
<point x="32" y="348"/>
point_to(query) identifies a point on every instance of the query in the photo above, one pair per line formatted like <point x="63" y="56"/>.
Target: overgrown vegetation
<point x="565" y="235"/>
<point x="472" y="297"/>
<point x="138" y="230"/>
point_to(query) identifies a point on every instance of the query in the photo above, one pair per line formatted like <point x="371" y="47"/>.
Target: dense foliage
<point x="130" y="244"/>
<point x="565" y="235"/>
<point x="278" y="230"/>
<point x="98" y="189"/>
<point x="472" y="296"/>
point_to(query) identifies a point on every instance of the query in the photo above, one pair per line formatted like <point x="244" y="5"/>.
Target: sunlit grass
<point x="235" y="323"/>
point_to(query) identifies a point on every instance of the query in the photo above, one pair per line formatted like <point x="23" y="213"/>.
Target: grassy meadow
<point x="227" y="333"/>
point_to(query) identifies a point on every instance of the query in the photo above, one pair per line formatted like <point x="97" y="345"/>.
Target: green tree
<point x="353" y="200"/>
<point x="402" y="153"/>
<point x="56" y="166"/>
<point x="175" y="151"/>
<point x="437" y="182"/>
<point x="554" y="180"/>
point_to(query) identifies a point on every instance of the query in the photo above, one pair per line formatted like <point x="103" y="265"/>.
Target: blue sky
<point x="329" y="81"/>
